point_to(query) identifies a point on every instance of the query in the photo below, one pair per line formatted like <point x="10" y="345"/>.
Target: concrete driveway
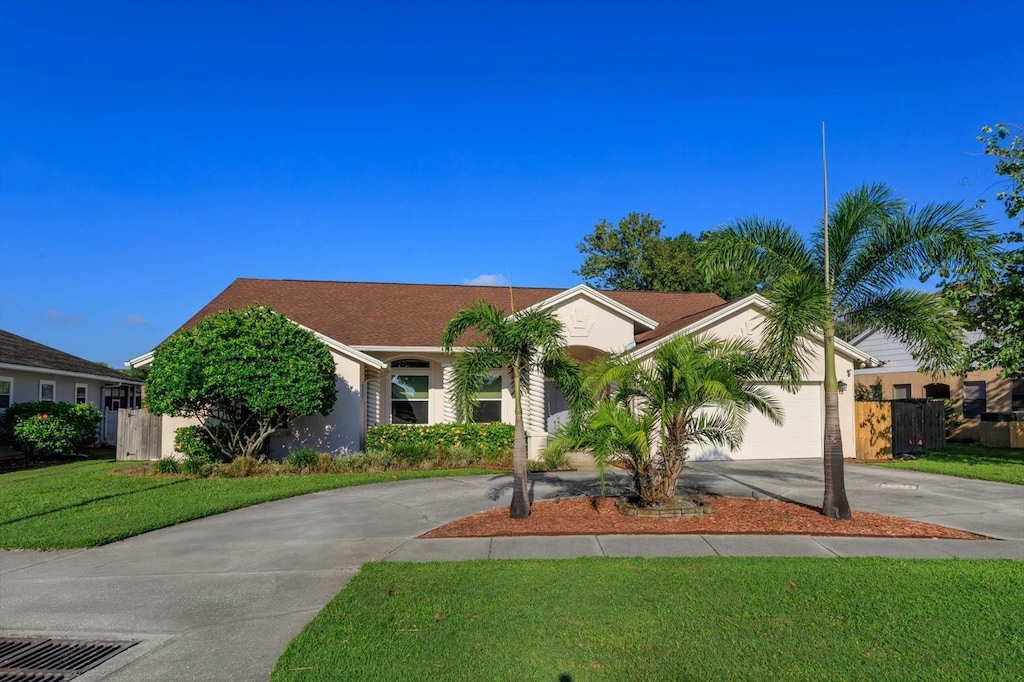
<point x="219" y="598"/>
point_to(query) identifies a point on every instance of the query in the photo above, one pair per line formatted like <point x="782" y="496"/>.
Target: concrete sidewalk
<point x="220" y="597"/>
<point x="571" y="546"/>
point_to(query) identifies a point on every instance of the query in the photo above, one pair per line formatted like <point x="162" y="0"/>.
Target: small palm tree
<point x="875" y="245"/>
<point x="693" y="391"/>
<point x="519" y="343"/>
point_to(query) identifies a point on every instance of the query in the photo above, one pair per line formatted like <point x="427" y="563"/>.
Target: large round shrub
<point x="45" y="429"/>
<point x="243" y="374"/>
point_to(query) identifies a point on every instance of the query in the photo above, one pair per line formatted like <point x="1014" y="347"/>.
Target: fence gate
<point x="138" y="435"/>
<point x="917" y="425"/>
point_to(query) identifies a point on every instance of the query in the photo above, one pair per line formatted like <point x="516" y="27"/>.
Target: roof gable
<point x="368" y="315"/>
<point x="582" y="290"/>
<point x="705" y="322"/>
<point x="17" y="352"/>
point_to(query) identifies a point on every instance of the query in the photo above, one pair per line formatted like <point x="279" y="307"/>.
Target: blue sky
<point x="151" y="152"/>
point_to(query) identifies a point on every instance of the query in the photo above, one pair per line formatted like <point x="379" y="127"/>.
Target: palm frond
<point x="946" y="239"/>
<point x="470" y="369"/>
<point x="483" y="316"/>
<point x="923" y="321"/>
<point x="716" y="428"/>
<point x="773" y="247"/>
<point x="799" y="309"/>
<point x="852" y="221"/>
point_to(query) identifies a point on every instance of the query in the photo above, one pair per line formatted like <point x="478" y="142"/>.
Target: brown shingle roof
<point x="17" y="350"/>
<point x="379" y="314"/>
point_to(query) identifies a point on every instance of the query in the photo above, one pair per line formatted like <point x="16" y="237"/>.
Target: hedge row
<point x="483" y="438"/>
<point x="49" y="428"/>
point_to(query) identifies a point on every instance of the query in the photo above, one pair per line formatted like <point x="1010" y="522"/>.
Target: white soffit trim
<point x="863" y="335"/>
<point x="340" y="347"/>
<point x="599" y="298"/>
<point x="752" y="301"/>
<point x="142" y="361"/>
<point x="65" y="373"/>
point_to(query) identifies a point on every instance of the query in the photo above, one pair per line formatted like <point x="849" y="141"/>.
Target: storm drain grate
<point x="42" y="659"/>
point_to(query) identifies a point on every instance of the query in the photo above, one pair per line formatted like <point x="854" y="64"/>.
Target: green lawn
<point x="968" y="461"/>
<point x="84" y="504"/>
<point x="706" y="618"/>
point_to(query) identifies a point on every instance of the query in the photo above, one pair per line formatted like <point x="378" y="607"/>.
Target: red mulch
<point x="598" y="516"/>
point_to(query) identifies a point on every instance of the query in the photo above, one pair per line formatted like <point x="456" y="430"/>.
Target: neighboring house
<point x="385" y="339"/>
<point x="30" y="372"/>
<point x="972" y="394"/>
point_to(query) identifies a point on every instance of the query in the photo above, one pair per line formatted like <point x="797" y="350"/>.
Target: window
<point x="1016" y="395"/>
<point x="901" y="392"/>
<point x="936" y="391"/>
<point x="47" y="389"/>
<point x="81" y="393"/>
<point x="488" y="408"/>
<point x="6" y="392"/>
<point x="974" y="399"/>
<point x="410" y="392"/>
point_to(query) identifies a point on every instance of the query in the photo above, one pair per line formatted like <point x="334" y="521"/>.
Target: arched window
<point x="410" y="392"/>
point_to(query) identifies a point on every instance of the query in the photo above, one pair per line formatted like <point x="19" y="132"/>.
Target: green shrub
<point x="413" y="453"/>
<point x="302" y="459"/>
<point x="555" y="459"/>
<point x="195" y="443"/>
<point x="325" y="464"/>
<point x="243" y="467"/>
<point x="197" y="465"/>
<point x="867" y="393"/>
<point x="953" y="417"/>
<point x="487" y="440"/>
<point x="49" y="428"/>
<point x="166" y="466"/>
<point x="367" y="462"/>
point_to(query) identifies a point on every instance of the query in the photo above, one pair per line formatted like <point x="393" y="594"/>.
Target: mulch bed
<point x="598" y="516"/>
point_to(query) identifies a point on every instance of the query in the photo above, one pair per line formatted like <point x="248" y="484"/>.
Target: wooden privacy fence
<point x="138" y="435"/>
<point x="896" y="427"/>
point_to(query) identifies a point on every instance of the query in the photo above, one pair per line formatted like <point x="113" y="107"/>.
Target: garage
<point x="799" y="436"/>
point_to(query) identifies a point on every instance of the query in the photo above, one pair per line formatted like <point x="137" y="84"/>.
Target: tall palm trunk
<point x="520" y="507"/>
<point x="835" y="504"/>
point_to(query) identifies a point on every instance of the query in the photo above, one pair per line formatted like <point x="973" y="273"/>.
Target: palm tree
<point x="693" y="391"/>
<point x="875" y="245"/>
<point x="521" y="342"/>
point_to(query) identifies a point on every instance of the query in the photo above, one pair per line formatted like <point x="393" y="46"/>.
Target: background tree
<point x="876" y="244"/>
<point x="1009" y="152"/>
<point x="994" y="311"/>
<point x="518" y="343"/>
<point x="633" y="255"/>
<point x="244" y="374"/>
<point x="650" y="412"/>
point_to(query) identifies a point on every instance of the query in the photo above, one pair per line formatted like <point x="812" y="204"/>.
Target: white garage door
<point x="799" y="436"/>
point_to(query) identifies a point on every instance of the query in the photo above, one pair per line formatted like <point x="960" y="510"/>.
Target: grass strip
<point x="83" y="504"/>
<point x="708" y="618"/>
<point x="1001" y="465"/>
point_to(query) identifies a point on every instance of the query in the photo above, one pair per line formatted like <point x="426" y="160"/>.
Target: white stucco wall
<point x="339" y="432"/>
<point x="590" y="324"/>
<point x="746" y="322"/>
<point x="168" y="427"/>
